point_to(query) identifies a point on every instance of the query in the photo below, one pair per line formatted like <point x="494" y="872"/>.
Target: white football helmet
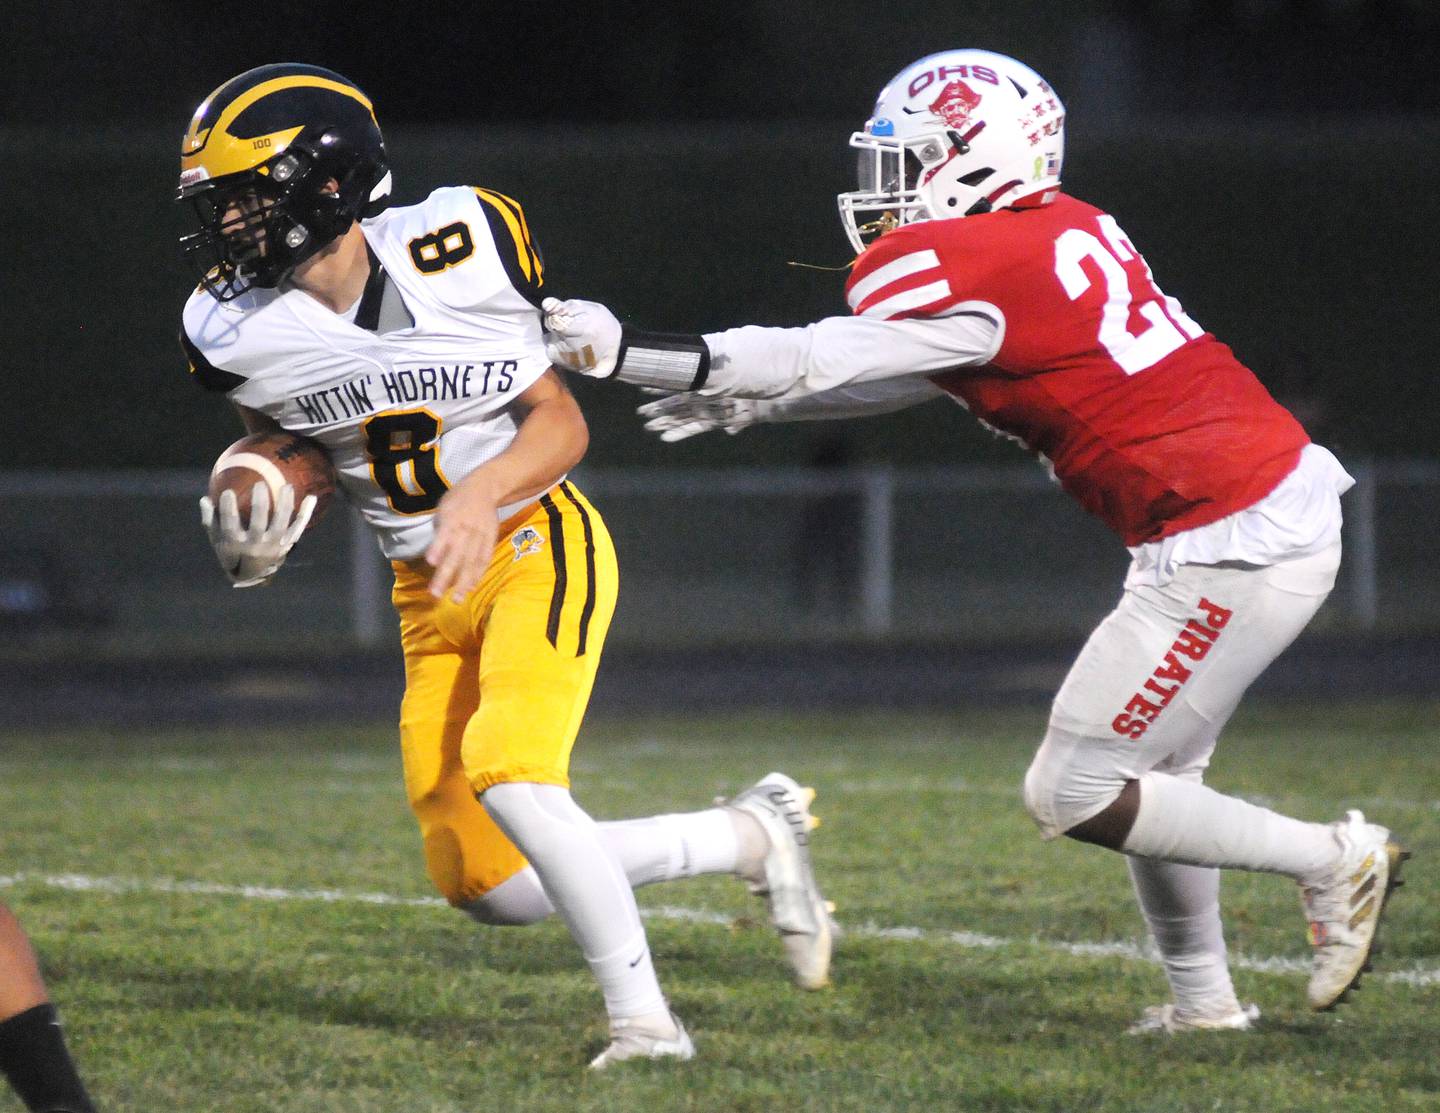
<point x="954" y="134"/>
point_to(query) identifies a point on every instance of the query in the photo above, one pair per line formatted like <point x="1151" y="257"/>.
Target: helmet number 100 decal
<point x="442" y="249"/>
<point x="1167" y="326"/>
<point x="402" y="448"/>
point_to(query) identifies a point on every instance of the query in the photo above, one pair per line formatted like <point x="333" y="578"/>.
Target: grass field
<point x="239" y="920"/>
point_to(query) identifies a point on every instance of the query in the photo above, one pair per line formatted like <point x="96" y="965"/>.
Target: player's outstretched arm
<point x="677" y="417"/>
<point x="551" y="439"/>
<point x="755" y="362"/>
<point x="584" y="337"/>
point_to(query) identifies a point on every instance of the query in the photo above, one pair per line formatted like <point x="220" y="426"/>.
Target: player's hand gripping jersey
<point x="408" y="390"/>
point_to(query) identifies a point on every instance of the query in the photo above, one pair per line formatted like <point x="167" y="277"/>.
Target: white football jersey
<point x="408" y="390"/>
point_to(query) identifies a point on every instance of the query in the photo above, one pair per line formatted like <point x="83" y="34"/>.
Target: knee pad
<point x="1037" y="794"/>
<point x="1070" y="780"/>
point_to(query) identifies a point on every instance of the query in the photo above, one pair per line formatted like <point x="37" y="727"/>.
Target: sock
<point x="752" y="845"/>
<point x="658" y="848"/>
<point x="34" y="1058"/>
<point x="1183" y="821"/>
<point x="587" y="887"/>
<point x="627" y="978"/>
<point x="668" y="847"/>
<point x="1181" y="905"/>
<point x="662" y="1025"/>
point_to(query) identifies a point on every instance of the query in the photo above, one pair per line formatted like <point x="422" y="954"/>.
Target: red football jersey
<point x="1147" y="419"/>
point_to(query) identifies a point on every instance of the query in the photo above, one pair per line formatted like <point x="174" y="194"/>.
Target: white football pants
<point x="1160" y="676"/>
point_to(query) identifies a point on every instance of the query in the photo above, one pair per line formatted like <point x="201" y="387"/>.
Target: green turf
<point x="217" y="1001"/>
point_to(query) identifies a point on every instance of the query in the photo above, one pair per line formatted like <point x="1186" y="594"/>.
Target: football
<point x="274" y="459"/>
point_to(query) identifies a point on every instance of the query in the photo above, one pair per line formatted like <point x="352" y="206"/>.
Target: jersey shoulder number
<point x="462" y="225"/>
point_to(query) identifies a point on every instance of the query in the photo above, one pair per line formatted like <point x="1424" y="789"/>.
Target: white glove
<point x="677" y="416"/>
<point x="252" y="554"/>
<point x="581" y="336"/>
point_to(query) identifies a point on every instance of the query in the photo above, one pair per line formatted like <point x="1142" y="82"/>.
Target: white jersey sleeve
<point x="867" y="399"/>
<point x="756" y="362"/>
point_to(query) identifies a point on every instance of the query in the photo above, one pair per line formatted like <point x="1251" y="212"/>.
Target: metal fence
<point x="116" y="562"/>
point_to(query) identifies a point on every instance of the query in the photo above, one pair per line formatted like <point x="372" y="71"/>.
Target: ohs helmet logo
<point x="955" y="103"/>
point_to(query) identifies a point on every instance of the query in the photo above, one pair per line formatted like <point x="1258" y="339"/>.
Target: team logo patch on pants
<point x="1194" y="642"/>
<point x="527" y="540"/>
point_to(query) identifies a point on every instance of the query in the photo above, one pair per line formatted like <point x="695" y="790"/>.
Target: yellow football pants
<point x="496" y="686"/>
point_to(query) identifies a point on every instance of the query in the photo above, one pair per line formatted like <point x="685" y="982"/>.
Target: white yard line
<point x="1130" y="951"/>
<point x="961" y="786"/>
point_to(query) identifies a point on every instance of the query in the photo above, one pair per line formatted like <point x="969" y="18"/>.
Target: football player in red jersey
<point x="978" y="279"/>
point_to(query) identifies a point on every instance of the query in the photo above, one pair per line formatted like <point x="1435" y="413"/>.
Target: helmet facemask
<point x="893" y="174"/>
<point x="256" y="227"/>
<point x="886" y="174"/>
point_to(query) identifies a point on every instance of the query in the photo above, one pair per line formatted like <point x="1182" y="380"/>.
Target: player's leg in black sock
<point x="33" y="1056"/>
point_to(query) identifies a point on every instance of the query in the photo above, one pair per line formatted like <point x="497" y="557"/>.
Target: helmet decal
<point x="955" y="103"/>
<point x="247" y="122"/>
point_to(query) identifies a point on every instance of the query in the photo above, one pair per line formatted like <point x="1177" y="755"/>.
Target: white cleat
<point x="797" y="909"/>
<point x="1173" y="1022"/>
<point x="631" y="1040"/>
<point x="1344" y="908"/>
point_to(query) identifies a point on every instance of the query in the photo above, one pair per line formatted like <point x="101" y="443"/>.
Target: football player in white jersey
<point x="407" y="341"/>
<point x="33" y="1055"/>
<point x="980" y="279"/>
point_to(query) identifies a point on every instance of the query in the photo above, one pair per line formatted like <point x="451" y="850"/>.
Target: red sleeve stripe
<point x="893" y="271"/>
<point x="908" y="299"/>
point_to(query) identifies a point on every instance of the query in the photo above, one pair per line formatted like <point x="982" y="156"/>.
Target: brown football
<point x="274" y="459"/>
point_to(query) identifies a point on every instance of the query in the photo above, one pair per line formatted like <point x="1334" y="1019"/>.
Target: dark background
<point x="82" y="63"/>
<point x="1275" y="159"/>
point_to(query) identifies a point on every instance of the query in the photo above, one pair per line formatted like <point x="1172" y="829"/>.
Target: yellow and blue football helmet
<point x="255" y="166"/>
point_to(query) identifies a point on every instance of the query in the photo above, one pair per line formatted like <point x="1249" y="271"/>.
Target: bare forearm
<point x="551" y="440"/>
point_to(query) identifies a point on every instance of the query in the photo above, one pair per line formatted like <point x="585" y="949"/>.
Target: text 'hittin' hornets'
<point x="353" y="397"/>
